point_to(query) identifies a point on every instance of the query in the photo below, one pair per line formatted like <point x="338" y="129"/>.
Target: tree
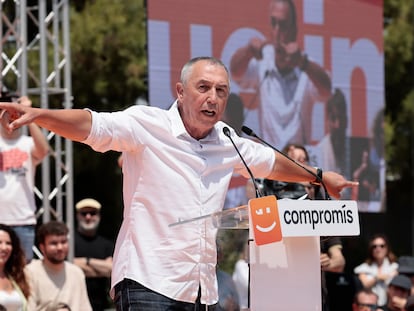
<point x="399" y="71"/>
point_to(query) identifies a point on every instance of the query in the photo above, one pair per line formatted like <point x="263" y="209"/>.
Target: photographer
<point x="19" y="156"/>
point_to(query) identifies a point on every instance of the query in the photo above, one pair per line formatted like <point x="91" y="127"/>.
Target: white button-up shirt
<point x="170" y="176"/>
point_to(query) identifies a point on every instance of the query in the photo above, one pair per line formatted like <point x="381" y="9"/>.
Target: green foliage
<point x="398" y="43"/>
<point x="109" y="65"/>
<point x="399" y="72"/>
<point x="400" y="141"/>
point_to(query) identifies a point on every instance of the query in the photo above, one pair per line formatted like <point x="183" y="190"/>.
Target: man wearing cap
<point x="397" y="293"/>
<point x="93" y="253"/>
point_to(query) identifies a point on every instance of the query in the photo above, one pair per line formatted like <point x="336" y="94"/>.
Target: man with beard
<point x="53" y="280"/>
<point x="93" y="253"/>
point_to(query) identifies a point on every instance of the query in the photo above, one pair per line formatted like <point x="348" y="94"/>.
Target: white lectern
<point x="284" y="257"/>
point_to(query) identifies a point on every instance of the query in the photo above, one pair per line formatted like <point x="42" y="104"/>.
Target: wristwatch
<point x="318" y="179"/>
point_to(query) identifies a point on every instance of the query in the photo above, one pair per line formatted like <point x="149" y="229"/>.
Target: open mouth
<point x="209" y="113"/>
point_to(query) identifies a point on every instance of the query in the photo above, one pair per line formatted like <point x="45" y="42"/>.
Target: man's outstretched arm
<point x="74" y="124"/>
<point x="286" y="170"/>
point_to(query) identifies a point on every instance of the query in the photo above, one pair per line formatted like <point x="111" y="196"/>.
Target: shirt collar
<point x="178" y="128"/>
<point x="177" y="125"/>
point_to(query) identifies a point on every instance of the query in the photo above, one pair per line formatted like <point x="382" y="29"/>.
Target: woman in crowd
<point x="379" y="268"/>
<point x="14" y="287"/>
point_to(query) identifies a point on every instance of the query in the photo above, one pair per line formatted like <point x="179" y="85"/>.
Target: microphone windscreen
<point x="226" y="131"/>
<point x="247" y="131"/>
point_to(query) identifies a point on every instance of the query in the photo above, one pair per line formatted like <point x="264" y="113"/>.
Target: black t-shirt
<point x="100" y="248"/>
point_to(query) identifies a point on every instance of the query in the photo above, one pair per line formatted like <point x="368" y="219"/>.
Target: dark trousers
<point x="130" y="295"/>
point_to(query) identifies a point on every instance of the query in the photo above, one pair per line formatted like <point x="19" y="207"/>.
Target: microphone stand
<point x="259" y="194"/>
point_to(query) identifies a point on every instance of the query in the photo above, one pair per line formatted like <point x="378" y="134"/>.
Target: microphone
<point x="226" y="132"/>
<point x="250" y="132"/>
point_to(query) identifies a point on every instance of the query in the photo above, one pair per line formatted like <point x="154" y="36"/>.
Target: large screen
<point x="313" y="76"/>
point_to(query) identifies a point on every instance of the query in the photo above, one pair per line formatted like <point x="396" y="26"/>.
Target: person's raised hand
<point x="255" y="47"/>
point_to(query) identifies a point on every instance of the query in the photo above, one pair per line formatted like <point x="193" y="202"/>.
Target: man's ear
<point x="179" y="89"/>
<point x="42" y="248"/>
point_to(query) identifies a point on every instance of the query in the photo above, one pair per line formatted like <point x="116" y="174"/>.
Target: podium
<point x="284" y="257"/>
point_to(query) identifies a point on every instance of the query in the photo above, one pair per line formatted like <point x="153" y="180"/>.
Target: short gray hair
<point x="186" y="70"/>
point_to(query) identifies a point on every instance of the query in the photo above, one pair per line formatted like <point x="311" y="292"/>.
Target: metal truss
<point x="35" y="61"/>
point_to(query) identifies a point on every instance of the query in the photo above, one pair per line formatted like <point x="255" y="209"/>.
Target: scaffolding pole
<point x="35" y="61"/>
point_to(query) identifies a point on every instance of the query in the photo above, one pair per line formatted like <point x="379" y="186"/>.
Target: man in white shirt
<point x="172" y="267"/>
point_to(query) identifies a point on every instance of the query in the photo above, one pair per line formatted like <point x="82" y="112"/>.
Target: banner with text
<point x="329" y="97"/>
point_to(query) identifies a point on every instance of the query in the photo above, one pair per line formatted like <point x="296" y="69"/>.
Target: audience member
<point x="397" y="293"/>
<point x="188" y="148"/>
<point x="14" y="287"/>
<point x="287" y="189"/>
<point x="406" y="267"/>
<point x="54" y="280"/>
<point x="365" y="300"/>
<point x="288" y="82"/>
<point x="332" y="262"/>
<point x="93" y="253"/>
<point x="19" y="156"/>
<point x="379" y="268"/>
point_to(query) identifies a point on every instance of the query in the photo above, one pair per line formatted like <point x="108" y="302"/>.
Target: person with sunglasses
<point x="287" y="82"/>
<point x="398" y="292"/>
<point x="93" y="252"/>
<point x="365" y="300"/>
<point x="379" y="268"/>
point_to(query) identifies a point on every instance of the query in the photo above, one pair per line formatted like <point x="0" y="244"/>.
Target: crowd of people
<point x="51" y="282"/>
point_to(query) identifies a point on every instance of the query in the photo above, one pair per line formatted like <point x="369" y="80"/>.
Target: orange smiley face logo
<point x="265" y="220"/>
